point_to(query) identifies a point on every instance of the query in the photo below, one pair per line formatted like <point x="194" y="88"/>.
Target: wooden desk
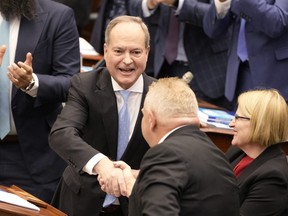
<point x="90" y="60"/>
<point x="13" y="210"/>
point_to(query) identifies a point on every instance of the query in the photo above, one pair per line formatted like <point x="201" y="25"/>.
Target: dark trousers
<point x="113" y="210"/>
<point x="13" y="171"/>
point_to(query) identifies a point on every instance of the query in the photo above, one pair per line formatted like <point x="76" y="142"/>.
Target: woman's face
<point x="241" y="126"/>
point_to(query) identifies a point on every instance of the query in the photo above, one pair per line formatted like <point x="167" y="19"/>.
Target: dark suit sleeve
<point x="57" y="56"/>
<point x="135" y="8"/>
<point x="161" y="196"/>
<point x="66" y="134"/>
<point x="213" y="26"/>
<point x="193" y="12"/>
<point x="267" y="16"/>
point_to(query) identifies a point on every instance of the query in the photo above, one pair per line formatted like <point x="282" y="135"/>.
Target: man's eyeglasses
<point x="240" y="117"/>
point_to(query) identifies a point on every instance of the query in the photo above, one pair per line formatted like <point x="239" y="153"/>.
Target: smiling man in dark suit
<point x="86" y="132"/>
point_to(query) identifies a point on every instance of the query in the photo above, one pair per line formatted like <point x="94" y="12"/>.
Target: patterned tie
<point x="241" y="46"/>
<point x="4" y="82"/>
<point x="123" y="136"/>
<point x="171" y="42"/>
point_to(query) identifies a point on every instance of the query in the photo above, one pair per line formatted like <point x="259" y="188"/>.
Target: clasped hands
<point x="116" y="178"/>
<point x="20" y="74"/>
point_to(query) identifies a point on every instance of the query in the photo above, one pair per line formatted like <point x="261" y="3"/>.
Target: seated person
<point x="260" y="165"/>
<point x="183" y="173"/>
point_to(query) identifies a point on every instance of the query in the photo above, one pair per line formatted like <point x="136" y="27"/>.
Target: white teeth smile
<point x="126" y="70"/>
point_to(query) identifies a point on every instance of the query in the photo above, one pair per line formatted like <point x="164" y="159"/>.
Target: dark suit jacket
<point x="89" y="125"/>
<point x="267" y="42"/>
<point x="264" y="183"/>
<point x="81" y="10"/>
<point x="53" y="41"/>
<point x="207" y="57"/>
<point x="185" y="175"/>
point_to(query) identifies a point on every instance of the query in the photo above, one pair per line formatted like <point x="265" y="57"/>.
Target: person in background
<point x="261" y="167"/>
<point x="81" y="10"/>
<point x="39" y="56"/>
<point x="181" y="45"/>
<point x="183" y="173"/>
<point x="86" y="132"/>
<point x="257" y="55"/>
<point x="111" y="9"/>
<point x="107" y="10"/>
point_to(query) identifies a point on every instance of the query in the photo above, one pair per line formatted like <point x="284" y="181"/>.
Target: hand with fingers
<point x="129" y="176"/>
<point x="20" y="74"/>
<point x="110" y="178"/>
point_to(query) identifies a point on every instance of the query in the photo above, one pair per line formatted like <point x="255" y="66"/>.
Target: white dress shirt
<point x="134" y="102"/>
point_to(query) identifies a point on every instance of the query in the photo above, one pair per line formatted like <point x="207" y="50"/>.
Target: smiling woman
<point x="260" y="127"/>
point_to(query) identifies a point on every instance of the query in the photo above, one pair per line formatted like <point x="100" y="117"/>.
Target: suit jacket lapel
<point x="269" y="153"/>
<point x="105" y="94"/>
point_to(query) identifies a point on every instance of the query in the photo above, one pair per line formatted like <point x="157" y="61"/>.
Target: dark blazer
<point x="81" y="10"/>
<point x="207" y="57"/>
<point x="53" y="41"/>
<point x="267" y="42"/>
<point x="88" y="125"/>
<point x="264" y="183"/>
<point x="185" y="175"/>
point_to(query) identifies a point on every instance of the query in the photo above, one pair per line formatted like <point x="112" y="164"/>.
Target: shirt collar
<point x="166" y="135"/>
<point x="136" y="87"/>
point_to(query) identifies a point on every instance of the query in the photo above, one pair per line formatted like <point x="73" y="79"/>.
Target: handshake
<point x="116" y="178"/>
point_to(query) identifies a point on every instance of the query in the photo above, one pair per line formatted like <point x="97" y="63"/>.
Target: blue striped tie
<point x="123" y="136"/>
<point x="4" y="82"/>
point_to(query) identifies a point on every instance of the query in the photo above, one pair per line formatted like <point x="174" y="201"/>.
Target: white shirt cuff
<point x="146" y="11"/>
<point x="222" y="8"/>
<point x="88" y="168"/>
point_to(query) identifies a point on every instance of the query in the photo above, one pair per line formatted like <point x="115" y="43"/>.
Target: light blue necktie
<point x="4" y="82"/>
<point x="242" y="46"/>
<point x="123" y="136"/>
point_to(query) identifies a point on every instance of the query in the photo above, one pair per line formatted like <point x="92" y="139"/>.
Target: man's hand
<point x="20" y="74"/>
<point x="2" y="52"/>
<point x="110" y="178"/>
<point x="128" y="176"/>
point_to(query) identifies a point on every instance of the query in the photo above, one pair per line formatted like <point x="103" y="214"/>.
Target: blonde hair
<point x="171" y="97"/>
<point x="268" y="114"/>
<point x="127" y="19"/>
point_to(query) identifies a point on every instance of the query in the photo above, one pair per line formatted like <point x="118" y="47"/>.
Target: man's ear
<point x="152" y="120"/>
<point x="105" y="48"/>
<point x="148" y="50"/>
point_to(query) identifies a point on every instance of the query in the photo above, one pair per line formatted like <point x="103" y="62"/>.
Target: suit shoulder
<point x="96" y="77"/>
<point x="148" y="79"/>
<point x="53" y="6"/>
